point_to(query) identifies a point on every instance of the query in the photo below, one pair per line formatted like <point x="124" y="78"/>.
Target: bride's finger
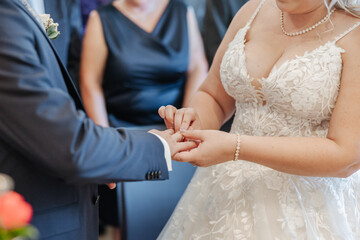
<point x="161" y="112"/>
<point x="187" y="120"/>
<point x="168" y="124"/>
<point x="170" y="114"/>
<point x="178" y="119"/>
<point x="185" y="156"/>
<point x="193" y="134"/>
<point x="185" y="146"/>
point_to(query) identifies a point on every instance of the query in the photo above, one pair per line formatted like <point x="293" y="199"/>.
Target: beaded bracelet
<point x="238" y="142"/>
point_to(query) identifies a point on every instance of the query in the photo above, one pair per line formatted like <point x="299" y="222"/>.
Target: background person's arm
<point x="93" y="61"/>
<point x="198" y="66"/>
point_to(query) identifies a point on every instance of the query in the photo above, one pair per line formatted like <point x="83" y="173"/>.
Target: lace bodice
<point x="248" y="201"/>
<point x="300" y="94"/>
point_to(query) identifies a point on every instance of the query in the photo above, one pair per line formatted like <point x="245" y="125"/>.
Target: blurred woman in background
<point x="137" y="56"/>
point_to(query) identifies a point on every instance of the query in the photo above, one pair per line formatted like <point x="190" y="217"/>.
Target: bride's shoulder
<point x="247" y="10"/>
<point x="348" y="37"/>
<point x="349" y="28"/>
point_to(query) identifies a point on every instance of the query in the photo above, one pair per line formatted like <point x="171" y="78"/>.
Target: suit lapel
<point x="66" y="76"/>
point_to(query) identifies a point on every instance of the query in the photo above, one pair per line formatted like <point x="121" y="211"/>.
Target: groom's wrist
<point x="167" y="152"/>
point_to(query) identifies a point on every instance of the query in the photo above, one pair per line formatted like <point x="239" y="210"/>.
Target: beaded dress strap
<point x="347" y="31"/>
<point x="255" y="13"/>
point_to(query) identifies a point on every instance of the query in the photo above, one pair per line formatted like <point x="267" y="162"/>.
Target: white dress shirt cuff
<point x="167" y="152"/>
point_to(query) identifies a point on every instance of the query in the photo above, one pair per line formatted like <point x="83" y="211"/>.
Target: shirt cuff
<point x="167" y="152"/>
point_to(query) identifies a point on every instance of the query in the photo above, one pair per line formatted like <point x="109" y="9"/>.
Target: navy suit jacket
<point x="67" y="14"/>
<point x="55" y="154"/>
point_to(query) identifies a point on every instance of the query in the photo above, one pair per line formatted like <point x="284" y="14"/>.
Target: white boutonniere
<point x="51" y="28"/>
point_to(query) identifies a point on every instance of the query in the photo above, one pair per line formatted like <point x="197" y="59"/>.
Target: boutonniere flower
<point x="51" y="28"/>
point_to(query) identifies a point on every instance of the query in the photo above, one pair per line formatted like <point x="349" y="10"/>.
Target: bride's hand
<point x="179" y="119"/>
<point x="214" y="147"/>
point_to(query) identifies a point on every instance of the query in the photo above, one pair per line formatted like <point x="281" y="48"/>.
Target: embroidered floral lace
<point x="243" y="200"/>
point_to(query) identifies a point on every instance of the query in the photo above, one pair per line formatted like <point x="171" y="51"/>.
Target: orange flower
<point x="14" y="211"/>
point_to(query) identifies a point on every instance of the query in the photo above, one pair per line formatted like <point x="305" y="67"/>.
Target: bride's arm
<point x="337" y="155"/>
<point x="212" y="104"/>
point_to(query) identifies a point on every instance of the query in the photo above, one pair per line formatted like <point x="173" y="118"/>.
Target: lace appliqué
<point x="246" y="201"/>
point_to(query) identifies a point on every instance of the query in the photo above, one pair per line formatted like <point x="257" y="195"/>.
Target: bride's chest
<point x="306" y="85"/>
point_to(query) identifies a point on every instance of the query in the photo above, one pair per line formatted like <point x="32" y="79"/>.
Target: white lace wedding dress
<point x="243" y="200"/>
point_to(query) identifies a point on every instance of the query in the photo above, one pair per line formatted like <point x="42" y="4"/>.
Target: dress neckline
<point x="257" y="83"/>
<point x="306" y="53"/>
<point x="163" y="14"/>
<point x="275" y="68"/>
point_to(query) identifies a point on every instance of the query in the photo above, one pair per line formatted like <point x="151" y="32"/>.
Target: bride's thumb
<point x="192" y="134"/>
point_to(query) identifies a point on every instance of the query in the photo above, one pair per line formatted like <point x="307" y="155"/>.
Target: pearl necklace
<point x="305" y="30"/>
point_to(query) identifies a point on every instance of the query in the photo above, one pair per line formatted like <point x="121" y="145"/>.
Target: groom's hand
<point x="180" y="119"/>
<point x="175" y="141"/>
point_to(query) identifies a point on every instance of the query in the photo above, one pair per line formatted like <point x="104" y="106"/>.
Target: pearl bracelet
<point x="238" y="142"/>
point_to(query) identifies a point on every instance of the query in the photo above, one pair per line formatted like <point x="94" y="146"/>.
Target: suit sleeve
<point x="39" y="121"/>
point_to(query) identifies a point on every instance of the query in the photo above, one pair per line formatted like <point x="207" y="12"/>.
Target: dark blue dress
<point x="144" y="70"/>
